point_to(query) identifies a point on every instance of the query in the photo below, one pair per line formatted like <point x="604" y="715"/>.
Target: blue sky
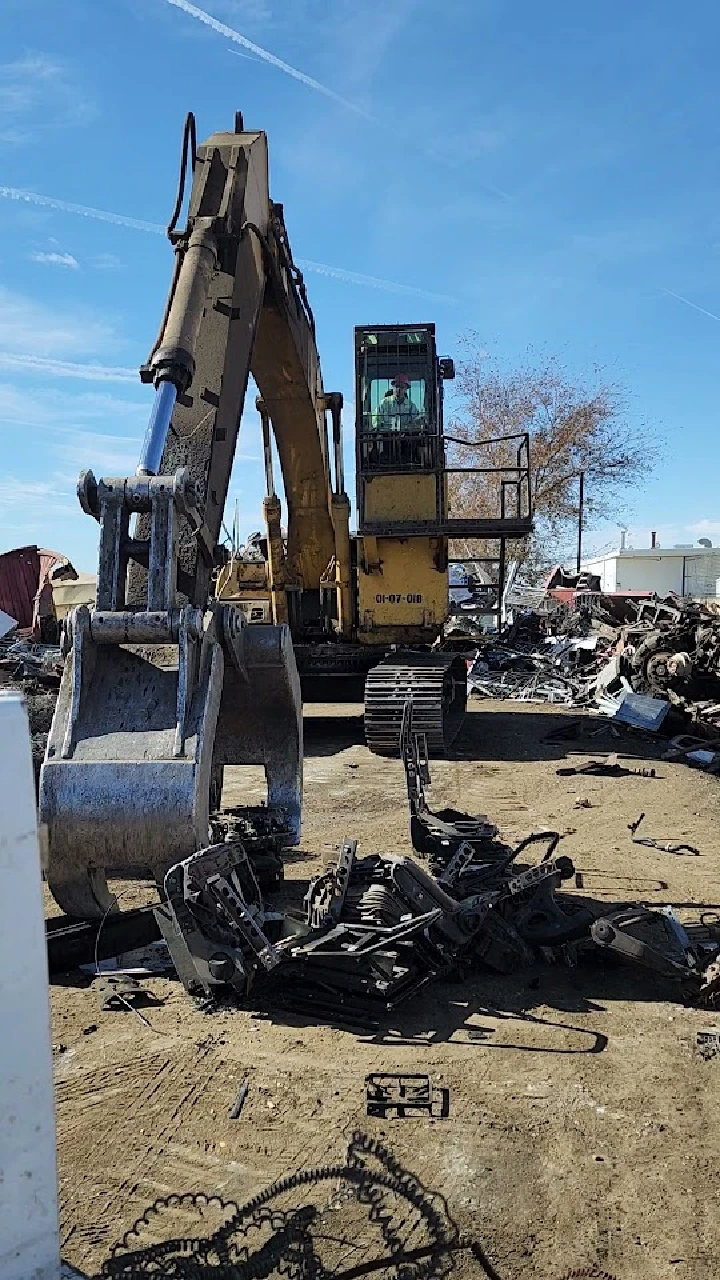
<point x="547" y="175"/>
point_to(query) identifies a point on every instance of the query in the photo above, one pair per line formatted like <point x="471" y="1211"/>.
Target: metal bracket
<point x="326" y="893"/>
<point x="405" y="1094"/>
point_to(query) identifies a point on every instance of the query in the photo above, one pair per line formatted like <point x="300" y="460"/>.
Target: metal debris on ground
<point x="665" y="846"/>
<point x="91" y="944"/>
<point x="708" y="1043"/>
<point x="239" y="1103"/>
<point x="377" y="929"/>
<point x="33" y="670"/>
<point x="404" y="1094"/>
<point x="144" y="962"/>
<point x="651" y="661"/>
<point x="120" y="991"/>
<point x="696" y="752"/>
<point x="609" y="768"/>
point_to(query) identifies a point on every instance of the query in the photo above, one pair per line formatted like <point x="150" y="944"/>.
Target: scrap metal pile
<point x="668" y="649"/>
<point x="377" y="929"/>
<point x="33" y="670"/>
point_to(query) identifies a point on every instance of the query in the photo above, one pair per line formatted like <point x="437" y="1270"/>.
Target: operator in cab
<point x="397" y="411"/>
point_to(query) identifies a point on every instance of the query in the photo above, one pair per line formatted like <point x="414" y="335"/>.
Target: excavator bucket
<point x="153" y="702"/>
<point x="136" y="750"/>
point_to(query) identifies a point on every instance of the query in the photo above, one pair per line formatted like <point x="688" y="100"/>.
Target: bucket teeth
<point x="438" y="685"/>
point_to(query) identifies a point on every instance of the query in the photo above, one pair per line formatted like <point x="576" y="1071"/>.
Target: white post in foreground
<point x="29" y="1236"/>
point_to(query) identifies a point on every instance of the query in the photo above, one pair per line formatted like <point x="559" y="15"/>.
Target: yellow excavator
<point x="373" y="603"/>
<point x="165" y="680"/>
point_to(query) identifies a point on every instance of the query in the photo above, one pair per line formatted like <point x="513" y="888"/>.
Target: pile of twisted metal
<point x="376" y="929"/>
<point x="668" y="649"/>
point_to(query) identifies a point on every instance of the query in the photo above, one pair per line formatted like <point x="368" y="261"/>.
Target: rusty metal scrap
<point x="670" y="650"/>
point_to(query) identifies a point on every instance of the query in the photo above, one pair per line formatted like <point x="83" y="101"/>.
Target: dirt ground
<point x="583" y="1127"/>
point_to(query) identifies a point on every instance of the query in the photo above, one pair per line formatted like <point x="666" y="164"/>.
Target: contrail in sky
<point x="372" y="282"/>
<point x="64" y="206"/>
<point x="137" y="224"/>
<point x="230" y="34"/>
<point x="66" y="368"/>
<point x="694" y="305"/>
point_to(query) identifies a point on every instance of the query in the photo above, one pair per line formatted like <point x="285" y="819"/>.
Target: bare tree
<point x="575" y="425"/>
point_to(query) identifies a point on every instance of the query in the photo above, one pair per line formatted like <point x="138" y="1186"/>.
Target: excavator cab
<point x="406" y="523"/>
<point x="399" y="398"/>
<point x="400" y="474"/>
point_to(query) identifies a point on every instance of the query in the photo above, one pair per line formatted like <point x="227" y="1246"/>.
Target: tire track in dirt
<point x="161" y="1091"/>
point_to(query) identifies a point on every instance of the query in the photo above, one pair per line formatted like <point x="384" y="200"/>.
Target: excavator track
<point x="438" y="684"/>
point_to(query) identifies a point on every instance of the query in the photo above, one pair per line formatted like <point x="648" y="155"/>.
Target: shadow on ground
<point x="498" y="732"/>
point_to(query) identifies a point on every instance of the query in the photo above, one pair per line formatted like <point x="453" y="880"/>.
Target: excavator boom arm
<point x="163" y="685"/>
<point x="237" y="306"/>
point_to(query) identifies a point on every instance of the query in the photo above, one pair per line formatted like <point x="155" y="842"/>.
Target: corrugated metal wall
<point x="23" y="572"/>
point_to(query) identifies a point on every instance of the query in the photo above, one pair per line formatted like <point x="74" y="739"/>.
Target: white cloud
<point x="244" y="10"/>
<point x="72" y="432"/>
<point x="46" y="341"/>
<point x="705" y="528"/>
<point x="48" y="408"/>
<point x="56" y="260"/>
<point x="36" y="93"/>
<point x="105" y="454"/>
<point x="35" y="329"/>
<point x="106" y="262"/>
<point x="53" y="493"/>
<point x="136" y="224"/>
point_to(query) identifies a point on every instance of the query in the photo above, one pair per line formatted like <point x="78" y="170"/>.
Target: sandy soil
<point x="558" y="1153"/>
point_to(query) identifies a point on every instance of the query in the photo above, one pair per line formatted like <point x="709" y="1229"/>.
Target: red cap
<point x="401" y="380"/>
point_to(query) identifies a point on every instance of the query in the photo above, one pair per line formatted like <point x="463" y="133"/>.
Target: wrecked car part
<point x="326" y="893"/>
<point x="559" y="869"/>
<point x="212" y="921"/>
<point x="72" y="943"/>
<point x="544" y="920"/>
<point x="457" y="864"/>
<point x="647" y="938"/>
<point x="499" y="946"/>
<point x="438" y="835"/>
<point x="263" y="834"/>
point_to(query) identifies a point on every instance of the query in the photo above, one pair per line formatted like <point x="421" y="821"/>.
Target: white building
<point x="685" y="569"/>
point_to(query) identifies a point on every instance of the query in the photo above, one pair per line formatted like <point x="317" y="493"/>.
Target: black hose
<point x="189" y="141"/>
